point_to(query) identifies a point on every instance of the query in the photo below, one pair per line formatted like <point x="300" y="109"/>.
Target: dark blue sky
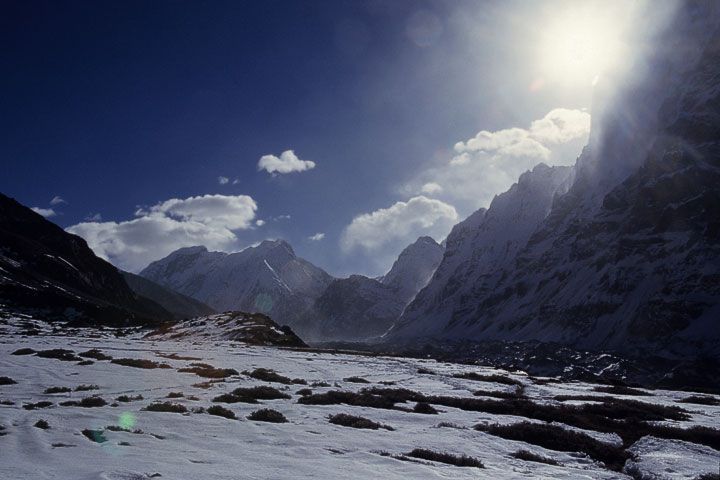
<point x="113" y="105"/>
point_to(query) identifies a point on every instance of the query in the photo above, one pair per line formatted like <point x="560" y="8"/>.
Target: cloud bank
<point x="491" y="161"/>
<point x="156" y="231"/>
<point x="287" y="162"/>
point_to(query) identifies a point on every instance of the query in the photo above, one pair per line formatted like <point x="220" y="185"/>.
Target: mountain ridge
<point x="629" y="257"/>
<point x="45" y="270"/>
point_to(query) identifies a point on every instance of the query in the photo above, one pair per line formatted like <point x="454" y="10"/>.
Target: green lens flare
<point x="127" y="420"/>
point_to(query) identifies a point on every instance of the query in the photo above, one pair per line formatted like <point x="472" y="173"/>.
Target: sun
<point x="579" y="45"/>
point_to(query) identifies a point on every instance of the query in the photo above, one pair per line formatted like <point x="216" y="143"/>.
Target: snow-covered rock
<point x="663" y="459"/>
<point x="248" y="328"/>
<point x="268" y="278"/>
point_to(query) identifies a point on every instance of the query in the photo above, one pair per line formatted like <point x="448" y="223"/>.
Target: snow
<point x="277" y="277"/>
<point x="199" y="445"/>
<point x="661" y="459"/>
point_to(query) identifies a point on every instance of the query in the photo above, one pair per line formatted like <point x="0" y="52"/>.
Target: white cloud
<point x="223" y="180"/>
<point x="317" y="237"/>
<point x="561" y="125"/>
<point x="431" y="188"/>
<point x="57" y="200"/>
<point x="287" y="162"/>
<point x="393" y="228"/>
<point x="45" y="212"/>
<point x="259" y="222"/>
<point x="207" y="220"/>
<point x="218" y="211"/>
<point x="513" y="142"/>
<point x="491" y="161"/>
<point x="94" y="217"/>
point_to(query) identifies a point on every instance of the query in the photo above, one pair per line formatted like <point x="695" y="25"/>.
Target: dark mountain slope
<point x="179" y="305"/>
<point x="48" y="272"/>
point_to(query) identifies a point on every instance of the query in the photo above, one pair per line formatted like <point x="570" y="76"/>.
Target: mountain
<point x="268" y="278"/>
<point x="359" y="309"/>
<point x="354" y="309"/>
<point x="629" y="257"/>
<point x="479" y="247"/>
<point x="55" y="275"/>
<point x="413" y="268"/>
<point x="179" y="305"/>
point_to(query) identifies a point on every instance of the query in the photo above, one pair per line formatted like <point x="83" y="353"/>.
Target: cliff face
<point x="629" y="257"/>
<point x="479" y="248"/>
<point x="413" y="268"/>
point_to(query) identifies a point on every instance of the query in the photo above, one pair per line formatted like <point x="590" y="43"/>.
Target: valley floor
<point x="194" y="444"/>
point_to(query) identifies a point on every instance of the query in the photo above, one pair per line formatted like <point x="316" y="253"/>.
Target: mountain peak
<point x="190" y="250"/>
<point x="267" y="277"/>
<point x="268" y="245"/>
<point x="414" y="267"/>
<point x="424" y="240"/>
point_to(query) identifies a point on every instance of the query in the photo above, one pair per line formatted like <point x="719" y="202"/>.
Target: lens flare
<point x="126" y="420"/>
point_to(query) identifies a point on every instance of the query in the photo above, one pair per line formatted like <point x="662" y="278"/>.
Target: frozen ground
<point x="202" y="446"/>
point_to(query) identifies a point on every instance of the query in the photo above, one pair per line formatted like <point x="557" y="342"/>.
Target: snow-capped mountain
<point x="268" y="278"/>
<point x="53" y="274"/>
<point x="480" y="246"/>
<point x="413" y="268"/>
<point x="271" y="279"/>
<point x="629" y="257"/>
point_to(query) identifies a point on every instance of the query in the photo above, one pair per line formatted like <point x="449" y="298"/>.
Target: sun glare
<point x="580" y="45"/>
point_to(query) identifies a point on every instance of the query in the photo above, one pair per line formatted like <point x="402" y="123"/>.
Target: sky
<point x="347" y="128"/>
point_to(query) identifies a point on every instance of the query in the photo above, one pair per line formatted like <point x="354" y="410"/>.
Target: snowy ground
<point x="203" y="446"/>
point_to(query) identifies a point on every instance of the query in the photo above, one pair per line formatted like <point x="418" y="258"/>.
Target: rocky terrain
<point x="249" y="328"/>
